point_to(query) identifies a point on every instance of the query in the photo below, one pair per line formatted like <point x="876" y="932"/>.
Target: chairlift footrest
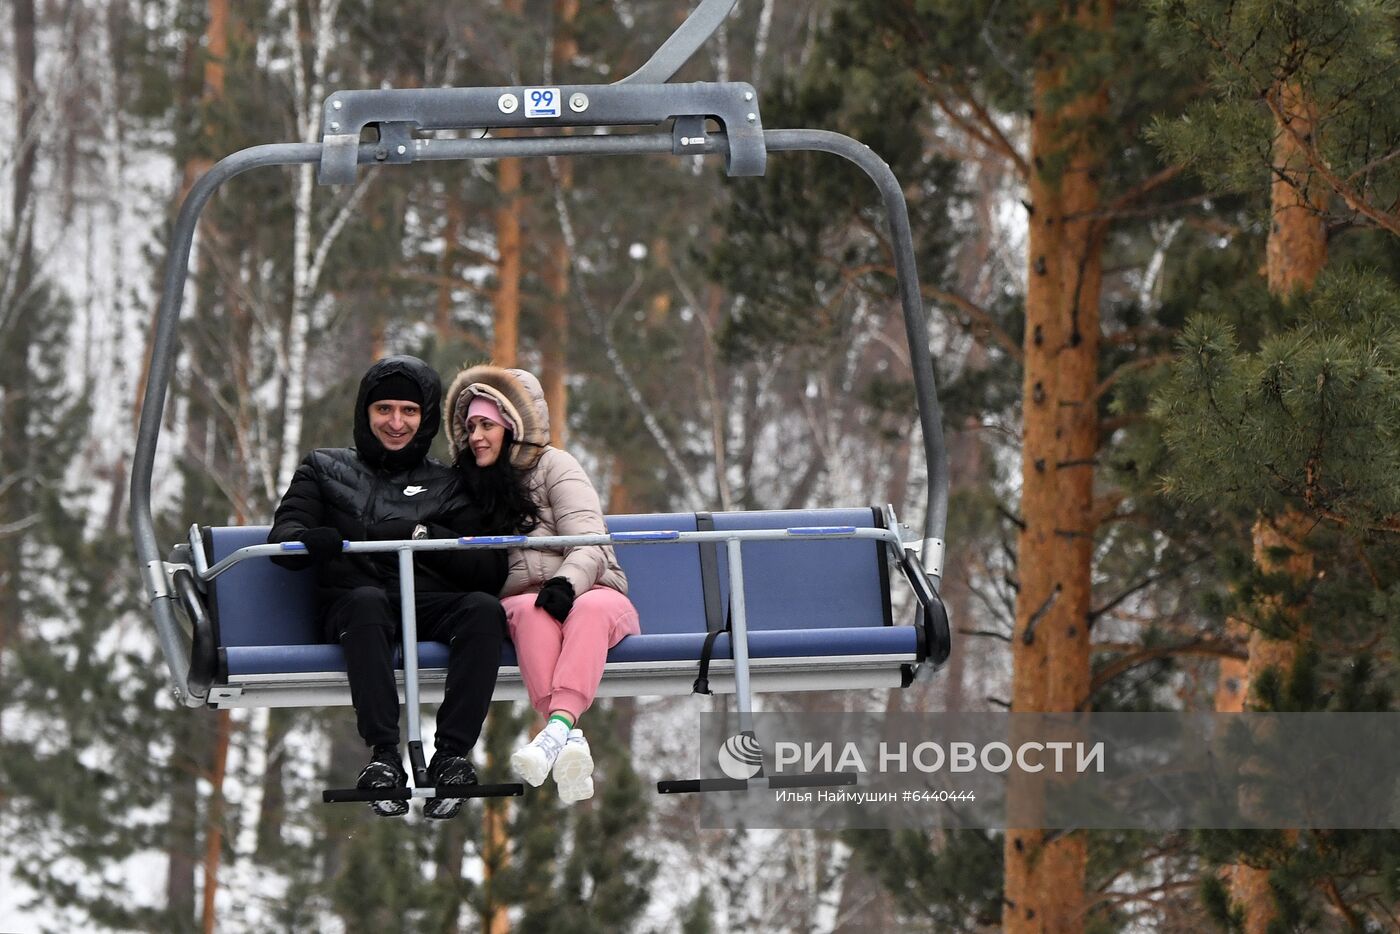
<point x="680" y="786"/>
<point x="346" y="795"/>
<point x="677" y="786"/>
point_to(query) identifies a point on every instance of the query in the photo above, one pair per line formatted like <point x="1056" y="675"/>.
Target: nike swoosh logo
<point x="413" y="490"/>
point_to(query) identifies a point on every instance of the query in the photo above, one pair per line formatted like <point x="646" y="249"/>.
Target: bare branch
<point x="1141" y="585"/>
<point x="342" y="216"/>
<point x="1143" y="363"/>
<point x="1373" y="164"/>
<point x="982" y="127"/>
<point x="19" y="525"/>
<point x="624" y="376"/>
<point x="1202" y="647"/>
<point x="983" y="318"/>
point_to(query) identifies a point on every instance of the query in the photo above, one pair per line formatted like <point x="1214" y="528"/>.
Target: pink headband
<point x="487" y="407"/>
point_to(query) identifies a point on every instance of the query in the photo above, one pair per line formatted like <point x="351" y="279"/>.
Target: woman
<point x="565" y="607"/>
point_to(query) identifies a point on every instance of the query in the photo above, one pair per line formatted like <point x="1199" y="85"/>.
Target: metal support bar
<point x="675" y="786"/>
<point x="408" y="610"/>
<point x="915" y="324"/>
<point x="739" y="637"/>
<point x="397" y="112"/>
<point x="174" y="644"/>
<point x="197" y="556"/>
<point x="547" y="542"/>
<point x="361" y="795"/>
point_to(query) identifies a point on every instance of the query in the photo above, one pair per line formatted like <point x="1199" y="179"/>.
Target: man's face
<point x="394" y="422"/>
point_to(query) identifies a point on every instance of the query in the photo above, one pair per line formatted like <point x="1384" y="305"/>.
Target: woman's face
<point x="485" y="438"/>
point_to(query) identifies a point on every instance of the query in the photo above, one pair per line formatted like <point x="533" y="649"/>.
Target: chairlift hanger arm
<point x="683" y="43"/>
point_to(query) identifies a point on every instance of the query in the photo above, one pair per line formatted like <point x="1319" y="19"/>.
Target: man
<point x="387" y="488"/>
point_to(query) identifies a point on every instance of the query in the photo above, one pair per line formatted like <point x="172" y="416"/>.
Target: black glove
<point x="322" y="543"/>
<point x="392" y="530"/>
<point x="556" y="598"/>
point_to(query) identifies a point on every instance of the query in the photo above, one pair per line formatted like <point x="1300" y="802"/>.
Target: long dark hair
<point x="499" y="492"/>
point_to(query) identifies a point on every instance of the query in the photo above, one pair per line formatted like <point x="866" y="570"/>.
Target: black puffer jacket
<point x="353" y="489"/>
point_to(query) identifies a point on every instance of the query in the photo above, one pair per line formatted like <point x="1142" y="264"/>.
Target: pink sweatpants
<point x="562" y="664"/>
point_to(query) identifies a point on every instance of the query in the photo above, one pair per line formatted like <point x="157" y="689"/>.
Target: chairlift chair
<point x="748" y="601"/>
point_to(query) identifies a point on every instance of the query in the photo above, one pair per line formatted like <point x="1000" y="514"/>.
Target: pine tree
<point x="1299" y="104"/>
<point x="1095" y="195"/>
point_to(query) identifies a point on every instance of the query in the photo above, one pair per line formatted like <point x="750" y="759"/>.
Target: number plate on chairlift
<point x="541" y="102"/>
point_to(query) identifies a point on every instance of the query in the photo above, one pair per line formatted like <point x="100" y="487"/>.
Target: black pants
<point x="365" y="621"/>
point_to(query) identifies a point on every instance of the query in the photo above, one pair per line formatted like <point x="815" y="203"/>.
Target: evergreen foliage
<point x="1305" y="420"/>
<point x="757" y="329"/>
<point x="1286" y="406"/>
<point x="79" y="785"/>
<point x="950" y="885"/>
<point x="1343" y="56"/>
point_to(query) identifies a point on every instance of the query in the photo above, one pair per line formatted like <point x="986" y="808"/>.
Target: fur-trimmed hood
<point x="520" y="397"/>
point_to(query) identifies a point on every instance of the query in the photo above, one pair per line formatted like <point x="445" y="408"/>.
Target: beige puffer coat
<point x="567" y="502"/>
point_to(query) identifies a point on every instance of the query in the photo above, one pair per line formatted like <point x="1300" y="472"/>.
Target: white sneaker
<point x="533" y="761"/>
<point x="573" y="769"/>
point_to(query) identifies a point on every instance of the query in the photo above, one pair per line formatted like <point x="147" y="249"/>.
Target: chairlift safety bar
<point x="542" y="542"/>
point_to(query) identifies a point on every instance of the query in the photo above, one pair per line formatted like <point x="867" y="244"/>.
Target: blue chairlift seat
<point x="818" y="613"/>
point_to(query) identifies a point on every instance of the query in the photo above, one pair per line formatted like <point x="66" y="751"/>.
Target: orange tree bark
<point x="555" y="339"/>
<point x="505" y="349"/>
<point x="1044" y="874"/>
<point x="1295" y="254"/>
<point x="505" y="343"/>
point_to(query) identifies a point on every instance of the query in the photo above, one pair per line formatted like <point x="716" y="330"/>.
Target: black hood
<point x="411" y="454"/>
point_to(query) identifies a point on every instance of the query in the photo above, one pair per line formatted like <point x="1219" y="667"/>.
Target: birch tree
<point x="17" y="298"/>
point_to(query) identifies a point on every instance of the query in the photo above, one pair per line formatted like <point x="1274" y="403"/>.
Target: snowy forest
<point x="1159" y="243"/>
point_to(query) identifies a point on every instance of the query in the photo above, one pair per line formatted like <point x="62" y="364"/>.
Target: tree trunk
<point x="214" y="820"/>
<point x="1050" y="651"/>
<point x="183" y="830"/>
<point x="447" y="265"/>
<point x="192" y="761"/>
<point x="495" y="856"/>
<point x="308" y="87"/>
<point x="26" y="139"/>
<point x="966" y="457"/>
<point x="272" y="809"/>
<point x="713" y="315"/>
<point x="216" y="50"/>
<point x="555" y="340"/>
<point x="345" y="757"/>
<point x="495" y="850"/>
<point x="1296" y="250"/>
<point x="1233" y="677"/>
<point x="505" y="343"/>
<point x="1295" y="254"/>
<point x="16" y="286"/>
<point x="449" y="873"/>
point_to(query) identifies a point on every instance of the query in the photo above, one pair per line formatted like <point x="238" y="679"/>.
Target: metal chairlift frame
<point x="640" y="99"/>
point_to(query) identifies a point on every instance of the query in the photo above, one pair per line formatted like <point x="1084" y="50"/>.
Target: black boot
<point x="385" y="770"/>
<point x="448" y="769"/>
